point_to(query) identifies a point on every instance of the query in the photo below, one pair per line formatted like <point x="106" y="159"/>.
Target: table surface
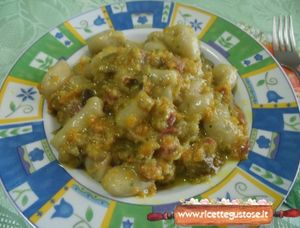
<point x="22" y="22"/>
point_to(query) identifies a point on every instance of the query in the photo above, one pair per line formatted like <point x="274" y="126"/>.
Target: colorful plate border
<point x="28" y="157"/>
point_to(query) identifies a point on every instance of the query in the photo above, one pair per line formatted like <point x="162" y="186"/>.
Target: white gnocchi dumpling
<point x="221" y="128"/>
<point x="97" y="169"/>
<point x="55" y="77"/>
<point x="225" y="74"/>
<point x="195" y="100"/>
<point x="92" y="108"/>
<point x="124" y="181"/>
<point x="133" y="112"/>
<point x="155" y="45"/>
<point x="182" y="40"/>
<point x="104" y="39"/>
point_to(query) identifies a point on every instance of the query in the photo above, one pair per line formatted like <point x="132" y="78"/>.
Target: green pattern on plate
<point x="242" y="189"/>
<point x="293" y="123"/>
<point x="21" y="195"/>
<point x="234" y="40"/>
<point x="129" y="213"/>
<point x="43" y="54"/>
<point x="10" y="132"/>
<point x="47" y="150"/>
<point x="275" y="179"/>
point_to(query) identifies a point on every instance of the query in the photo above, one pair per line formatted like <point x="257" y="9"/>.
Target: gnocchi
<point x="137" y="116"/>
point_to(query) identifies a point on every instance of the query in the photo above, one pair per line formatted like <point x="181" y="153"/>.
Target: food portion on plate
<point x="139" y="116"/>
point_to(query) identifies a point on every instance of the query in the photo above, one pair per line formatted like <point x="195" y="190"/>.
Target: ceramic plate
<point x="50" y="195"/>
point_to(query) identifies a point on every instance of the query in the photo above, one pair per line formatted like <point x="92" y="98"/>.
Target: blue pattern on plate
<point x="142" y="20"/>
<point x="196" y="25"/>
<point x="45" y="186"/>
<point x="127" y="224"/>
<point x="263" y="142"/>
<point x="288" y="149"/>
<point x="258" y="57"/>
<point x="12" y="171"/>
<point x="227" y="196"/>
<point x="247" y="62"/>
<point x="99" y="21"/>
<point x="11" y="168"/>
<point x="26" y="164"/>
<point x="67" y="42"/>
<point x="59" y="35"/>
<point x="86" y="194"/>
<point x="36" y="154"/>
<point x="123" y="20"/>
<point x="62" y="210"/>
<point x="27" y="94"/>
<point x="273" y="96"/>
<point x="270" y="119"/>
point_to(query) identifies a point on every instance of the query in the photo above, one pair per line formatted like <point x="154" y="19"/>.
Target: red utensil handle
<point x="159" y="216"/>
<point x="287" y="213"/>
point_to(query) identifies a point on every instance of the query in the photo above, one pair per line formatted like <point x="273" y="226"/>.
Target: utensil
<point x="284" y="44"/>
